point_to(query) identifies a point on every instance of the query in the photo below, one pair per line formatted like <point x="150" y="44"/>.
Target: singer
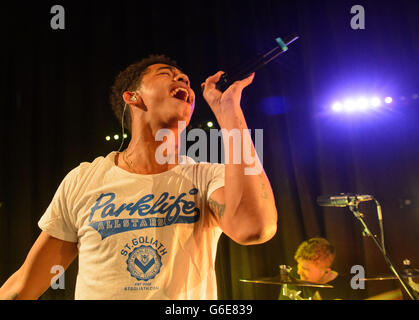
<point x="142" y="229"/>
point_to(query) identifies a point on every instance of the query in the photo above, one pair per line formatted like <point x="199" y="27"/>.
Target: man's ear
<point x="131" y="97"/>
<point x="134" y="99"/>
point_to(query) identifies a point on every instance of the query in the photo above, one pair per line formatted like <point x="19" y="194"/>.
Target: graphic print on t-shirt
<point x="144" y="253"/>
<point x="163" y="212"/>
<point x="144" y="263"/>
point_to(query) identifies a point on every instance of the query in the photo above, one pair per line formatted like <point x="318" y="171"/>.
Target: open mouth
<point x="181" y="94"/>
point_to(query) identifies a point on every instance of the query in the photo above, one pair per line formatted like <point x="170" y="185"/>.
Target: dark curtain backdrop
<point x="55" y="113"/>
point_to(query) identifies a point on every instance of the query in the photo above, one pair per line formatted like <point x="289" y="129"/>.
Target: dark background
<point x="55" y="113"/>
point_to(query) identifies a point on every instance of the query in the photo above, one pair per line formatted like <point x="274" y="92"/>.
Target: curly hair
<point x="315" y="249"/>
<point x="128" y="80"/>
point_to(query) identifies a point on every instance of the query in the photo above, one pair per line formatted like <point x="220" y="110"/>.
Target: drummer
<point x="314" y="260"/>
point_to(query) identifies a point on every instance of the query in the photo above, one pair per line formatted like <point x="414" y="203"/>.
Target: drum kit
<point x="284" y="278"/>
<point x="352" y="201"/>
<point x="408" y="274"/>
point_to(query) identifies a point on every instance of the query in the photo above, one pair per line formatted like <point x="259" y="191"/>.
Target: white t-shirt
<point x="139" y="236"/>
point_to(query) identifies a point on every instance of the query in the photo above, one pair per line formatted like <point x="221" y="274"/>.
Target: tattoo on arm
<point x="264" y="194"/>
<point x="217" y="208"/>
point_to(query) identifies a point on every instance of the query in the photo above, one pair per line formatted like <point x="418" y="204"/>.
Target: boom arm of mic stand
<point x="358" y="215"/>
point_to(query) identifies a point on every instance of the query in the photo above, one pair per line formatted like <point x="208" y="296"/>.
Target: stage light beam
<point x="375" y="102"/>
<point x="349" y="105"/>
<point x="337" y="107"/>
<point x="388" y="100"/>
<point x="362" y="104"/>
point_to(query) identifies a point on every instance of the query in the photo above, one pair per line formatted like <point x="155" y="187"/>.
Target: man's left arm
<point x="245" y="206"/>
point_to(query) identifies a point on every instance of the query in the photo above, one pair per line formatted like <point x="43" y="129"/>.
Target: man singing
<point x="144" y="229"/>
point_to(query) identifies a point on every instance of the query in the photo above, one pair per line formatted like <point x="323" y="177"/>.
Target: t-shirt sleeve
<point x="59" y="220"/>
<point x="217" y="178"/>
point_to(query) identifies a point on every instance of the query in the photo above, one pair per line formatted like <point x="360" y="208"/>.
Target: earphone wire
<point x="123" y="129"/>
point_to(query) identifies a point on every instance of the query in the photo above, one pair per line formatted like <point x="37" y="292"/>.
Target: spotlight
<point x="375" y="102"/>
<point x="125" y="136"/>
<point x="116" y="137"/>
<point x="349" y="105"/>
<point x="362" y="104"/>
<point x="210" y="124"/>
<point x="108" y="138"/>
<point x="337" y="107"/>
<point x="388" y="100"/>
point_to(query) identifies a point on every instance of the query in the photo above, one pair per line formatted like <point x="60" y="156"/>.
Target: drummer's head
<point x="314" y="257"/>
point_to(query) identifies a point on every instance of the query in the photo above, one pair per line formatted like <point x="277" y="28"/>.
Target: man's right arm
<point x="34" y="277"/>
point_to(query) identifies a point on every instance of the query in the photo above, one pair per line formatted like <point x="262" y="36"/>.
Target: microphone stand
<point x="380" y="223"/>
<point x="354" y="208"/>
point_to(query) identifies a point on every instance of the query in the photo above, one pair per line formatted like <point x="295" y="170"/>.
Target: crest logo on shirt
<point x="144" y="263"/>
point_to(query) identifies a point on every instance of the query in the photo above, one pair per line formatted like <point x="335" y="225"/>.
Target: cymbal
<point x="409" y="273"/>
<point x="280" y="280"/>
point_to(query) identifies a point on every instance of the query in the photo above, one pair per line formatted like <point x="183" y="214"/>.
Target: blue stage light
<point x="349" y="105"/>
<point x="362" y="104"/>
<point x="375" y="102"/>
<point x="337" y="106"/>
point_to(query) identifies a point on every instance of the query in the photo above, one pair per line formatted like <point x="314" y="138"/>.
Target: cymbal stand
<point x="354" y="209"/>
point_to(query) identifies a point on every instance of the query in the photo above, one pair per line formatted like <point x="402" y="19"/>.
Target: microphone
<point x="246" y="70"/>
<point x="343" y="199"/>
